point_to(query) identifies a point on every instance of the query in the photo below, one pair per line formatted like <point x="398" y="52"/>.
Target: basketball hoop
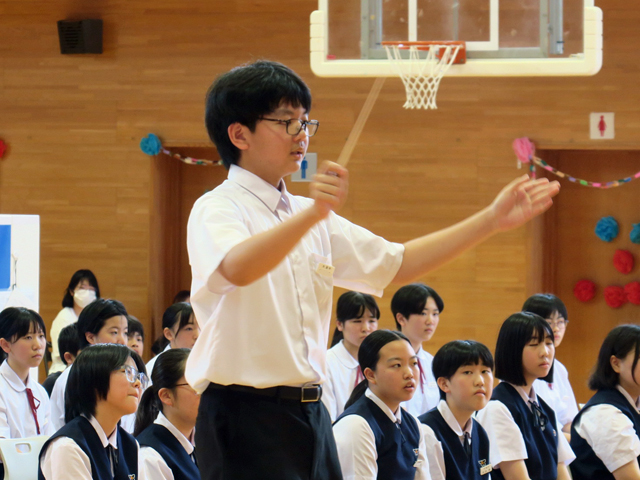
<point x="421" y="76"/>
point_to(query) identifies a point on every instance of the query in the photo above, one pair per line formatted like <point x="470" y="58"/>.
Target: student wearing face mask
<point x="82" y="290"/>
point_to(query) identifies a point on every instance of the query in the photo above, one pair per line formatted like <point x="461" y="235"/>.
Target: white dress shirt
<point x="610" y="433"/>
<point x="65" y="317"/>
<point x="356" y="445"/>
<point x="559" y="394"/>
<point x="275" y="330"/>
<point x="16" y="418"/>
<point x="64" y="459"/>
<point x="427" y="394"/>
<point x="154" y="466"/>
<point x="505" y="437"/>
<point x="435" y="452"/>
<point x="150" y="364"/>
<point x="342" y="372"/>
<point x="57" y="399"/>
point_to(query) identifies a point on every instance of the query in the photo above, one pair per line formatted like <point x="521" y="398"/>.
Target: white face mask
<point x="84" y="297"/>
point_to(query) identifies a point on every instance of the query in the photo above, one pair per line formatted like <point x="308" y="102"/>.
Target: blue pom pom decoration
<point x="151" y="144"/>
<point x="635" y="233"/>
<point x="607" y="229"/>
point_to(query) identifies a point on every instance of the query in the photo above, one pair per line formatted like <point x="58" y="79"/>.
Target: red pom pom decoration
<point x="623" y="261"/>
<point x="584" y="290"/>
<point x="3" y="148"/>
<point x="614" y="296"/>
<point x="632" y="291"/>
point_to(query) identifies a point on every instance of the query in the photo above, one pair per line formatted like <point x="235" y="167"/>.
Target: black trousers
<point x="242" y="436"/>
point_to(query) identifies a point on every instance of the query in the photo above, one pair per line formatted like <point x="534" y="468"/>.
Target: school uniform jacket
<point x="459" y="465"/>
<point x="588" y="465"/>
<point x="82" y="432"/>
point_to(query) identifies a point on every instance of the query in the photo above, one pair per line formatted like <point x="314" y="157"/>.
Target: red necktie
<point x="422" y="375"/>
<point x="34" y="407"/>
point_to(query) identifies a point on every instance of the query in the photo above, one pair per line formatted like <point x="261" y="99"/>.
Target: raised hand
<point x="329" y="188"/>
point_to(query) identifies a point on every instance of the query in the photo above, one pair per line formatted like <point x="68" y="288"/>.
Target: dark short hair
<point x="135" y="326"/>
<point x="545" y="304"/>
<point x="619" y="342"/>
<point x="76" y="279"/>
<point x="179" y="313"/>
<point x="245" y="94"/>
<point x="68" y="341"/>
<point x="411" y="299"/>
<point x="90" y="376"/>
<point x="456" y="354"/>
<point x="516" y="332"/>
<point x="182" y="296"/>
<point x="16" y="322"/>
<point x="369" y="355"/>
<point x="167" y="372"/>
<point x="94" y="315"/>
<point x="353" y="305"/>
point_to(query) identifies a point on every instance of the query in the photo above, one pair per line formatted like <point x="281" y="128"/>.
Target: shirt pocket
<point x="322" y="277"/>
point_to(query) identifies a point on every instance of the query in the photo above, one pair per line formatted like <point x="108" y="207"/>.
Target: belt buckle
<point x="311" y="393"/>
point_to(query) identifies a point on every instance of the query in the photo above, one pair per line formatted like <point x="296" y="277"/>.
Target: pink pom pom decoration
<point x="524" y="149"/>
<point x="632" y="290"/>
<point x="623" y="261"/>
<point x="584" y="290"/>
<point x="615" y="296"/>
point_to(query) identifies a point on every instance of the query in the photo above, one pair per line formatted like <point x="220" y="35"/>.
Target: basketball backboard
<point x="508" y="38"/>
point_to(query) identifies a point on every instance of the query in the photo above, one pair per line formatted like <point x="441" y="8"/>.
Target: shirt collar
<point x="447" y="414"/>
<point x="533" y="397"/>
<point x="111" y="440"/>
<point x="629" y="398"/>
<point x="344" y="356"/>
<point x="266" y="193"/>
<point x="394" y="417"/>
<point x="12" y="378"/>
<point x="187" y="443"/>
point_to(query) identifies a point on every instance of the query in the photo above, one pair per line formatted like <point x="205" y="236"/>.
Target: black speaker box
<point x="83" y="36"/>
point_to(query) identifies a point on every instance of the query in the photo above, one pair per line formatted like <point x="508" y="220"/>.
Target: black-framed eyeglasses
<point x="294" y="125"/>
<point x="133" y="374"/>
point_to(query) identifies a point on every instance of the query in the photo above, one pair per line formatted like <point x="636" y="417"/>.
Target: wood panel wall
<point x="74" y="124"/>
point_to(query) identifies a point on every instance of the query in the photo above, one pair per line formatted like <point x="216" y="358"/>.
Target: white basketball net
<point x="421" y="76"/>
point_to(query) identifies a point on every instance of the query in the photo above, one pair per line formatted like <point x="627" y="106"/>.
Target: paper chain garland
<point x="525" y="153"/>
<point x="151" y="145"/>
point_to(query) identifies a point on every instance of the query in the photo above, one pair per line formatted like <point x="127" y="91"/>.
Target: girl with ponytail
<point x="375" y="438"/>
<point x="166" y="419"/>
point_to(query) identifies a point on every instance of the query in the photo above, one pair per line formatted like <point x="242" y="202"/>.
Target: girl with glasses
<point x="526" y="442"/>
<point x="559" y="394"/>
<point x="104" y="385"/>
<point x="166" y="420"/>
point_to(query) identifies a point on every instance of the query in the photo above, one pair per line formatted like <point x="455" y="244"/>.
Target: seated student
<point x="357" y="315"/>
<point x="68" y="346"/>
<point x="605" y="434"/>
<point x="375" y="438"/>
<point x="559" y="394"/>
<point x="179" y="327"/>
<point x="457" y="445"/>
<point x="166" y="420"/>
<point x="182" y="296"/>
<point x="416" y="309"/>
<point x="105" y="384"/>
<point x="102" y="321"/>
<point x="135" y="335"/>
<point x="526" y="440"/>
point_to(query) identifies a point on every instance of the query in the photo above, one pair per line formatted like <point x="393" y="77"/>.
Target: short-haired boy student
<point x="457" y="445"/>
<point x="104" y="385"/>
<point x="416" y="309"/>
<point x="264" y="263"/>
<point x="559" y="394"/>
<point x="605" y="435"/>
<point x="102" y="321"/>
<point x="526" y="439"/>
<point x="135" y="335"/>
<point x="68" y="346"/>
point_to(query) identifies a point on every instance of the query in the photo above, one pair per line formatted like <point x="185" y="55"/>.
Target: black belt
<point x="311" y="393"/>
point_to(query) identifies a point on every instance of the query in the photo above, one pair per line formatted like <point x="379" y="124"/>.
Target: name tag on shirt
<point x="484" y="468"/>
<point x="325" y="270"/>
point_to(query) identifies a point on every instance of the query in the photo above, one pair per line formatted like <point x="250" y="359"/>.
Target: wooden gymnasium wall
<point x="73" y="124"/>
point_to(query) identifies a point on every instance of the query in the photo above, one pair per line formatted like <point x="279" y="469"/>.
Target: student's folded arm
<point x="515" y="470"/>
<point x="563" y="472"/>
<point x="630" y="471"/>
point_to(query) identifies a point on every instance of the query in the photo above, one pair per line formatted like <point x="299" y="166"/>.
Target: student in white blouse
<point x="605" y="435"/>
<point x="106" y="382"/>
<point x="416" y="309"/>
<point x="24" y="403"/>
<point x="166" y="420"/>
<point x="82" y="290"/>
<point x="559" y="394"/>
<point x="357" y="315"/>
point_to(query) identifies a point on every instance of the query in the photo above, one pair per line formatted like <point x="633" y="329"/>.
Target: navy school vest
<point x="458" y="465"/>
<point x="82" y="432"/>
<point x="171" y="450"/>
<point x="542" y="445"/>
<point x="587" y="465"/>
<point x="396" y="445"/>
